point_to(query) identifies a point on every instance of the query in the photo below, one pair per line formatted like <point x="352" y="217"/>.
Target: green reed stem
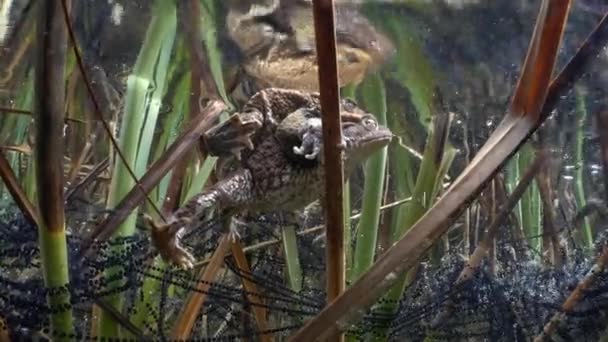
<point x="374" y="96"/>
<point x="349" y="91"/>
<point x="145" y="88"/>
<point x="292" y="258"/>
<point x="531" y="214"/>
<point x="579" y="161"/>
<point x="49" y="88"/>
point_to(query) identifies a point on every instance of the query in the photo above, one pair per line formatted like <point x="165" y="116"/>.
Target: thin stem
<point x="325" y="36"/>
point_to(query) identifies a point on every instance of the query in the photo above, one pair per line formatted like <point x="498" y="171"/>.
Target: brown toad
<point x="278" y="137"/>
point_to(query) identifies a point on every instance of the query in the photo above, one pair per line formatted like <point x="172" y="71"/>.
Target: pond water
<point x="146" y="117"/>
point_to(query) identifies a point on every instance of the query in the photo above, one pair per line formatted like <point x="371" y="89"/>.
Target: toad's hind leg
<point x="166" y="237"/>
<point x="228" y="194"/>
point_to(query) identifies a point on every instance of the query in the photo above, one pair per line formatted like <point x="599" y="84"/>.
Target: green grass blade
<point x="209" y="27"/>
<point x="374" y="96"/>
<point x="531" y="215"/>
<point x="436" y="160"/>
<point x="579" y="161"/>
<point x="145" y="86"/>
<point x="292" y="258"/>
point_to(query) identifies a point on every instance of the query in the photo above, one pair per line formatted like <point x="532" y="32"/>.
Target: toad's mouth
<point x="375" y="139"/>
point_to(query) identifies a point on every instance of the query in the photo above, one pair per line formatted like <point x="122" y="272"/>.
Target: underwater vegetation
<point x="482" y="219"/>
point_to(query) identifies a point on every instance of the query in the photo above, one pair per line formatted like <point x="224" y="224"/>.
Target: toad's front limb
<point x="232" y="135"/>
<point x="312" y="139"/>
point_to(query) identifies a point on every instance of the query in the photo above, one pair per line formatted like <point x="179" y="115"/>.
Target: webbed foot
<point x="165" y="238"/>
<point x="231" y="136"/>
<point x="311" y="140"/>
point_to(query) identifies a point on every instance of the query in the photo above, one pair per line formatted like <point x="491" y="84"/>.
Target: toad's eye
<point x="370" y="122"/>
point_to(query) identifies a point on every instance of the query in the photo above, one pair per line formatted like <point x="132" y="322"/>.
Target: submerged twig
<point x="79" y="161"/>
<point x="14" y="188"/>
<point x="576" y="66"/>
<point x="251" y="291"/>
<point x="15" y="111"/>
<point x="184" y="324"/>
<point x="4" y="110"/>
<point x="325" y="37"/>
<point x="99" y="168"/>
<point x="551" y="243"/>
<point x="474" y="260"/>
<point x="594" y="207"/>
<point x="575" y="297"/>
<point x="119" y="318"/>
